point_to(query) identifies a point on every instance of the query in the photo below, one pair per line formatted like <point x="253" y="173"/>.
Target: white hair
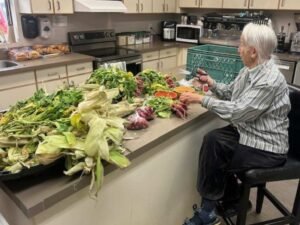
<point x="262" y="38"/>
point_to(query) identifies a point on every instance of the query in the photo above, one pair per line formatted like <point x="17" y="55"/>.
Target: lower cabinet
<point x="12" y="96"/>
<point x="52" y="86"/>
<point x="160" y="60"/>
<point x="16" y="87"/>
<point x="182" y="56"/>
<point x="77" y="80"/>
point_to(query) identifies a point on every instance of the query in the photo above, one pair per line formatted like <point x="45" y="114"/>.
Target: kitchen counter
<point x="31" y="65"/>
<point x="38" y="196"/>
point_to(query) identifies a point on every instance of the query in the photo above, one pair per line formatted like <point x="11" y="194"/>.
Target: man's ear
<point x="253" y="53"/>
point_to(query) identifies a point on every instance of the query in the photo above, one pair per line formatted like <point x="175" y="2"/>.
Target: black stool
<point x="259" y="177"/>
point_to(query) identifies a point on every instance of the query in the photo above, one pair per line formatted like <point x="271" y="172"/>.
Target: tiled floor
<point x="285" y="191"/>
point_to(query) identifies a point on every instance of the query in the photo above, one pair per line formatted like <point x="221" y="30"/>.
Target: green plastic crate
<point x="221" y="62"/>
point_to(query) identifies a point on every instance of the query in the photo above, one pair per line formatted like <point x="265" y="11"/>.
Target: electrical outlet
<point x="150" y="27"/>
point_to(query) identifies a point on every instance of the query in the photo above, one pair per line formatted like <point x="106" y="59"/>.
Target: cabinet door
<point x="182" y="57"/>
<point x="266" y="4"/>
<point x="189" y="3"/>
<point x="170" y="6"/>
<point x="42" y="6"/>
<point x="16" y="80"/>
<point x="210" y="3"/>
<point x="12" y="96"/>
<point x="52" y="86"/>
<point x="51" y="73"/>
<point x="78" y="80"/>
<point x="146" y="6"/>
<point x="235" y="4"/>
<point x="63" y="6"/>
<point x="79" y="68"/>
<point x="159" y="6"/>
<point x="289" y="4"/>
<point x="132" y="6"/>
<point x="154" y="65"/>
<point x="168" y="63"/>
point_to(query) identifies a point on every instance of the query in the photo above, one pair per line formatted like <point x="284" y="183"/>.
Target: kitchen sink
<point x="6" y="64"/>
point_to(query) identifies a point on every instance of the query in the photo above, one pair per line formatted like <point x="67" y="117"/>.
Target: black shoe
<point x="230" y="208"/>
<point x="202" y="217"/>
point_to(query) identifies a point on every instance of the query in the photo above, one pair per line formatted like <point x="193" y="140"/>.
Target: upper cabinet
<point x="289" y="4"/>
<point x="138" y="6"/>
<point x="189" y="3"/>
<point x="211" y="3"/>
<point x="46" y="6"/>
<point x="235" y="4"/>
<point x="266" y="4"/>
<point x="200" y="3"/>
<point x="164" y="6"/>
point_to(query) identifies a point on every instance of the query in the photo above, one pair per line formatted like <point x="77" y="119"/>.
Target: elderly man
<point x="256" y="105"/>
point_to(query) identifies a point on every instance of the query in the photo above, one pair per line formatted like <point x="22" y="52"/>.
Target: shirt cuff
<point x="206" y="101"/>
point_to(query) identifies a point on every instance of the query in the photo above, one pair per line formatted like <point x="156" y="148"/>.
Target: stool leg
<point x="260" y="197"/>
<point x="243" y="205"/>
<point x="296" y="207"/>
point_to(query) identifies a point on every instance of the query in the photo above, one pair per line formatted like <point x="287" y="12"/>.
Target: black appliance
<point x="168" y="30"/>
<point x="193" y="20"/>
<point x="102" y="45"/>
<point x="229" y="21"/>
<point x="30" y="26"/>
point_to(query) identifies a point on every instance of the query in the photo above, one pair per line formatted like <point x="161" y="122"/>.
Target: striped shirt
<point x="257" y="104"/>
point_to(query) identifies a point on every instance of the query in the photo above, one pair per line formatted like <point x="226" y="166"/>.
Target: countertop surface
<point x="43" y="63"/>
<point x="37" y="193"/>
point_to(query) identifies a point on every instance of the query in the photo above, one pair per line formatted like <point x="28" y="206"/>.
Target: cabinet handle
<point x="167" y="7"/>
<point x="50" y="5"/>
<point x="52" y="74"/>
<point x="252" y="2"/>
<point x="196" y="2"/>
<point x="137" y="7"/>
<point x="142" y="7"/>
<point x="161" y="65"/>
<point x="80" y="68"/>
<point x="163" y="7"/>
<point x="282" y="3"/>
<point x="58" y="5"/>
<point x="158" y="66"/>
<point x="245" y="3"/>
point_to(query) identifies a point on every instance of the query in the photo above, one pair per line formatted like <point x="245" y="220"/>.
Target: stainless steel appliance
<point x="287" y="68"/>
<point x="189" y="33"/>
<point x="103" y="46"/>
<point x="296" y="80"/>
<point x="295" y="37"/>
<point x="168" y="30"/>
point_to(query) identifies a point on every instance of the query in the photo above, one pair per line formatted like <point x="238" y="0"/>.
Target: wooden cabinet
<point x="182" y="56"/>
<point x="46" y="6"/>
<point x="138" y="6"/>
<point x="189" y="3"/>
<point x="78" y="73"/>
<point x="200" y="3"/>
<point x="160" y="60"/>
<point x="289" y="4"/>
<point x="266" y="4"/>
<point x="211" y="3"/>
<point x="16" y="87"/>
<point x="164" y="6"/>
<point x="235" y="4"/>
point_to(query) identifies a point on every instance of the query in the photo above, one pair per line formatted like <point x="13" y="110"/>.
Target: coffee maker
<point x="295" y="37"/>
<point x="168" y="30"/>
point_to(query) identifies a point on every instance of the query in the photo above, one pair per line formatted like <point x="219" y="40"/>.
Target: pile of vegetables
<point x="85" y="124"/>
<point x="115" y="78"/>
<point x="81" y="125"/>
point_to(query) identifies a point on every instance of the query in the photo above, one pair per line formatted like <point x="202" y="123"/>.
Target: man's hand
<point x="189" y="97"/>
<point x="203" y="78"/>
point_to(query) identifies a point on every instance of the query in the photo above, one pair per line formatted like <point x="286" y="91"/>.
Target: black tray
<point x="33" y="171"/>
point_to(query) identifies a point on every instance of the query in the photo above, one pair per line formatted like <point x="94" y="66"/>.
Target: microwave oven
<point x="189" y="33"/>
